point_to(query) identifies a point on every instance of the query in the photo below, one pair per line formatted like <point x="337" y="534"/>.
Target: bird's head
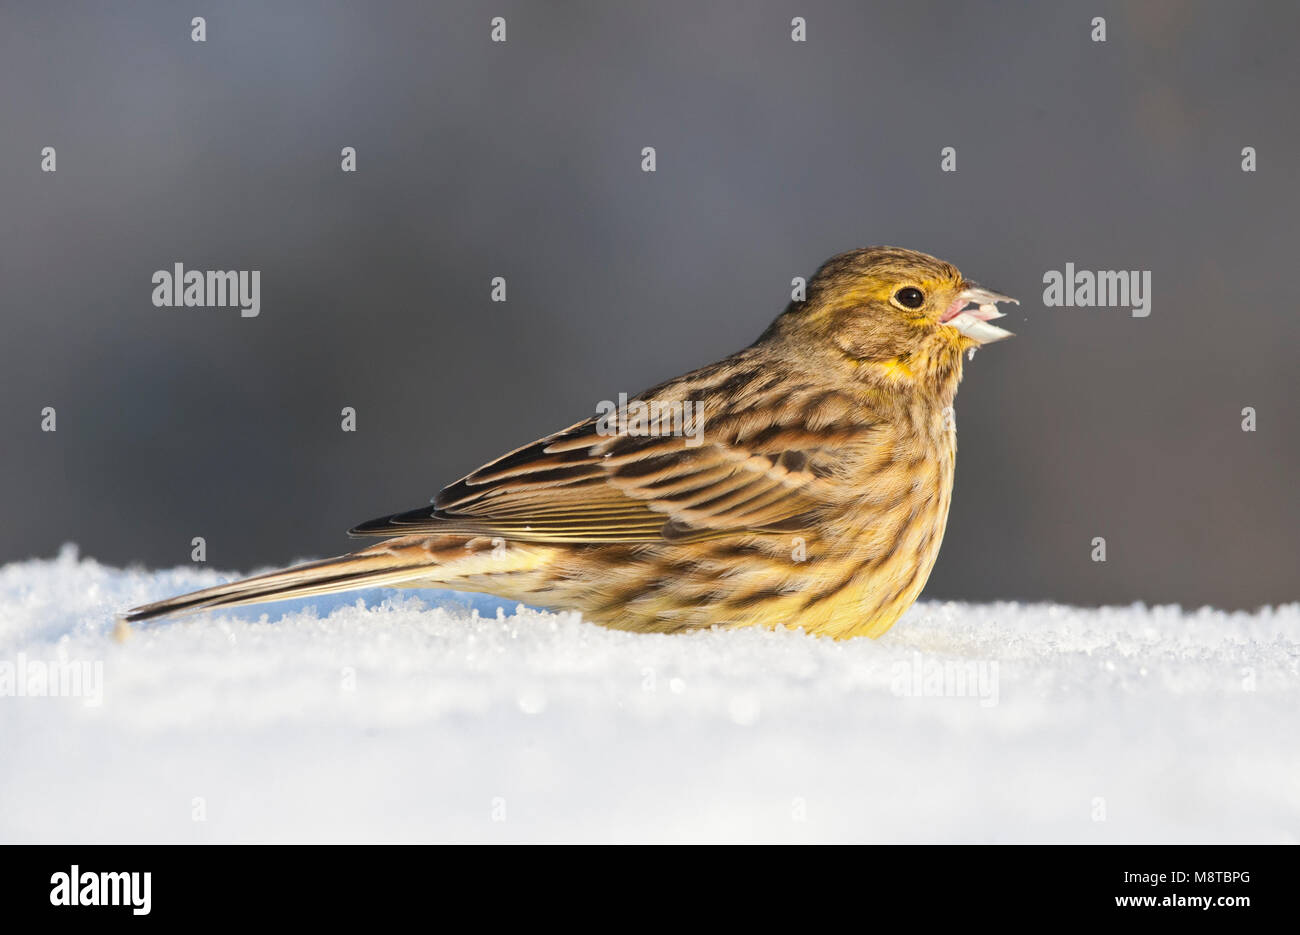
<point x="896" y="316"/>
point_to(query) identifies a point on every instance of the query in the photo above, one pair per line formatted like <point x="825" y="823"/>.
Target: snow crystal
<point x="434" y="716"/>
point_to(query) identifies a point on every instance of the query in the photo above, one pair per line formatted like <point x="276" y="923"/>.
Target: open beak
<point x="974" y="321"/>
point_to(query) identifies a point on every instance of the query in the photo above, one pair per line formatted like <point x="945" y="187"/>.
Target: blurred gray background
<point x="523" y="160"/>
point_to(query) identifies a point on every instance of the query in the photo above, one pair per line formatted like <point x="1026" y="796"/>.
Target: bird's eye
<point x="910" y="297"/>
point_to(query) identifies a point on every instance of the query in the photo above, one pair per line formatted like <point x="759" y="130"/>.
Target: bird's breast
<point x="887" y="539"/>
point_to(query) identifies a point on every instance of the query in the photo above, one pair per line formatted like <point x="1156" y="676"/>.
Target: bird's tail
<point x="386" y="563"/>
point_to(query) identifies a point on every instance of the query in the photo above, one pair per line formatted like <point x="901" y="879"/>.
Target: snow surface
<point x="432" y="716"/>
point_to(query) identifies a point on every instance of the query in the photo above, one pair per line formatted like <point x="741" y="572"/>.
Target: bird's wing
<point x="764" y="472"/>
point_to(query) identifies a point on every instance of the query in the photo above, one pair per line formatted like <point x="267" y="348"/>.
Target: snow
<point x="432" y="716"/>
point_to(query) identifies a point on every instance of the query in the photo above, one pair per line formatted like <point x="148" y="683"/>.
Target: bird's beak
<point x="974" y="322"/>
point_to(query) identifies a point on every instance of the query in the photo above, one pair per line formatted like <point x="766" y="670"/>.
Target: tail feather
<point x="374" y="567"/>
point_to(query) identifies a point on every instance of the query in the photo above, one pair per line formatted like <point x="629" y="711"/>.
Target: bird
<point x="803" y="482"/>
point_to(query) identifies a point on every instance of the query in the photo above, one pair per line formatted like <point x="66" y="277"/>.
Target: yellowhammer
<point x="803" y="481"/>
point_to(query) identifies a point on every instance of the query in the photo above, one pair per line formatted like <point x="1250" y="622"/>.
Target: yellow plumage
<point x="815" y="494"/>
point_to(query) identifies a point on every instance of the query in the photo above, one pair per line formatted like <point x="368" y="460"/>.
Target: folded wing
<point x="581" y="486"/>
